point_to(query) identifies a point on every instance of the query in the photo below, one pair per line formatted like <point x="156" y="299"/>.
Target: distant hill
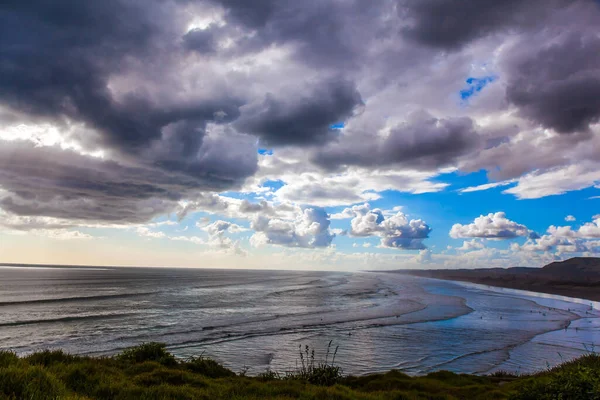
<point x="576" y="277"/>
<point x="585" y="267"/>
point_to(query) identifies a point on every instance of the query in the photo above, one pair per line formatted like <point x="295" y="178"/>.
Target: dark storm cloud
<point x="422" y="142"/>
<point x="47" y="181"/>
<point x="450" y="24"/>
<point x="200" y="40"/>
<point x="558" y="85"/>
<point x="254" y="14"/>
<point x="324" y="34"/>
<point x="56" y="59"/>
<point x="302" y="120"/>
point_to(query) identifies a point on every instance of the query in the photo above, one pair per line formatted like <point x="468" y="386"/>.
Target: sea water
<point x="257" y="320"/>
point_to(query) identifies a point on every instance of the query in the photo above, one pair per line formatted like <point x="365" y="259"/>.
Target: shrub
<point x="148" y="352"/>
<point x="163" y="392"/>
<point x="8" y="358"/>
<point x="317" y="373"/>
<point x="503" y="374"/>
<point x="174" y="377"/>
<point x="81" y="378"/>
<point x="207" y="367"/>
<point x="31" y="383"/>
<point x="50" y="357"/>
<point x="269" y="375"/>
<point x="392" y="380"/>
<point x="140" y="368"/>
<point x="573" y="382"/>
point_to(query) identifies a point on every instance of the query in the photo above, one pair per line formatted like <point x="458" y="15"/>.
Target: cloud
<point x="79" y="85"/>
<point x="548" y="243"/>
<point x="202" y="41"/>
<point x="422" y="142"/>
<point x="145" y="231"/>
<point x="235" y="208"/>
<point x="217" y="238"/>
<point x="570" y="218"/>
<point x="424" y="257"/>
<point x="556" y="181"/>
<point x="558" y="85"/>
<point x="350" y="212"/>
<point x="469" y="245"/>
<point x="310" y="229"/>
<point x="190" y="239"/>
<point x="49" y="182"/>
<point x="449" y="24"/>
<point x="565" y="239"/>
<point x="300" y="120"/>
<point x="486" y="186"/>
<point x="219" y="227"/>
<point x="304" y="183"/>
<point x="590" y="230"/>
<point x="346" y="213"/>
<point x="491" y="226"/>
<point x="395" y="231"/>
<point x="60" y="234"/>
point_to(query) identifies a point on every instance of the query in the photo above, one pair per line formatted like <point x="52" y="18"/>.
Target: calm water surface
<point x="257" y="319"/>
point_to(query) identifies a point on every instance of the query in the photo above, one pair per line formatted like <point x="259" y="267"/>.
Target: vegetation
<point x="149" y="372"/>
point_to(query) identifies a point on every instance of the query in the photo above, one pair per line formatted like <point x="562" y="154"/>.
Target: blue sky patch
<point x="339" y="125"/>
<point x="274" y="184"/>
<point x="265" y="152"/>
<point x="476" y="85"/>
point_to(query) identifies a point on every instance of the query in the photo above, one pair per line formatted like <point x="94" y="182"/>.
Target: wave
<point x="74" y="298"/>
<point x="66" y="319"/>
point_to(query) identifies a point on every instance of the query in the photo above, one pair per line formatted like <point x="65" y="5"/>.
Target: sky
<point x="327" y="135"/>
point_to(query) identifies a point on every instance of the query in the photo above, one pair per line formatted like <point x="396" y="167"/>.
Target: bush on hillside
<point x="579" y="380"/>
<point x="29" y="383"/>
<point x="49" y="357"/>
<point x="148" y="352"/>
<point x="8" y="358"/>
<point x="207" y="367"/>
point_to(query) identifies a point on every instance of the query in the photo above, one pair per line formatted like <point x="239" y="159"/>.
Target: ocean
<point x="256" y="320"/>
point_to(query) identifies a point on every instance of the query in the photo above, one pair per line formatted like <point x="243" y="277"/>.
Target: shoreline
<point x="574" y="292"/>
<point x="527" y="292"/>
<point x="570" y="290"/>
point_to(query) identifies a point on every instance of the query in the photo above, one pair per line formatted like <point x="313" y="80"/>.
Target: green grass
<point x="150" y="372"/>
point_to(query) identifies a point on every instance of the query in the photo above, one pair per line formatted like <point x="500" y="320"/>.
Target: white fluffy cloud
<point x="217" y="234"/>
<point x="556" y="181"/>
<point x="491" y="226"/>
<point x="395" y="231"/>
<point x="147" y="232"/>
<point x="565" y="239"/>
<point x="219" y="227"/>
<point x="590" y="230"/>
<point x="309" y="229"/>
<point x="473" y="244"/>
<point x="60" y="234"/>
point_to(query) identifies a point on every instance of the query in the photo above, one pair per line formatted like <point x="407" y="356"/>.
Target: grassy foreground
<point x="150" y="372"/>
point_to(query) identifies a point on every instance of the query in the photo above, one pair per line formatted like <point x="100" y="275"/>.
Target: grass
<point x="150" y="372"/>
